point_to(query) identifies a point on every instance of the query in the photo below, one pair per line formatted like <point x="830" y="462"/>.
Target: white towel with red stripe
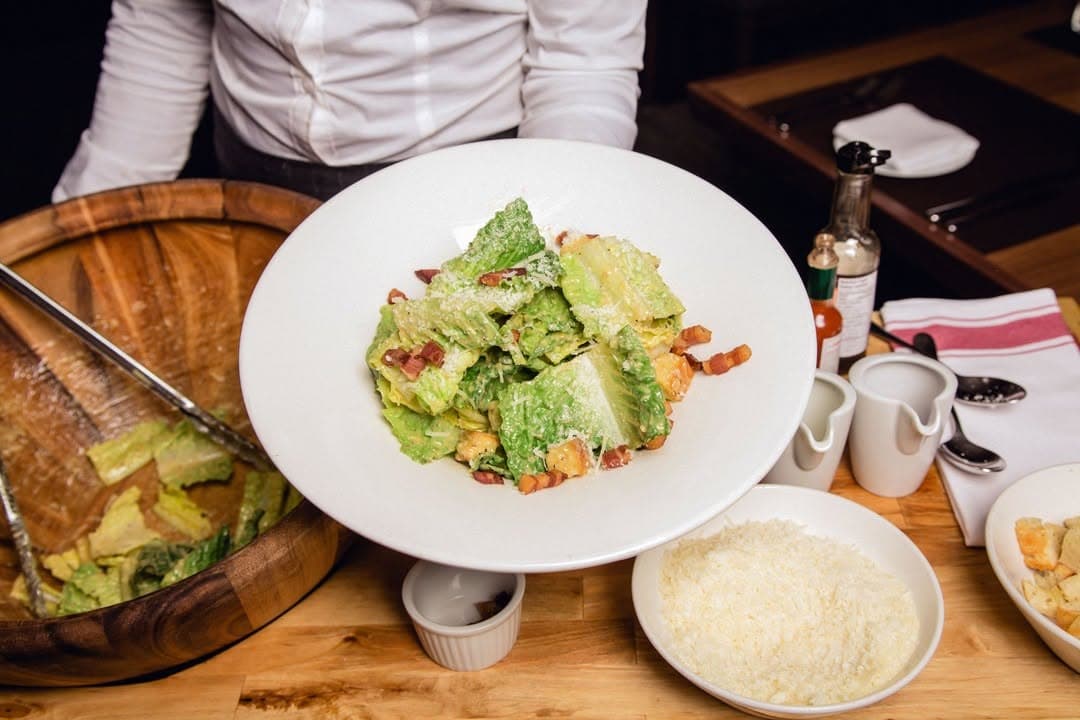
<point x="1020" y="337"/>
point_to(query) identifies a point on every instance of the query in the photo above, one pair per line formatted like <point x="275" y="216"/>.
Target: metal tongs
<point x="23" y="547"/>
<point x="202" y="420"/>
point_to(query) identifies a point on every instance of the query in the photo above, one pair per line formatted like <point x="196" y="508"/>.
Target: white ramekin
<point x="439" y="599"/>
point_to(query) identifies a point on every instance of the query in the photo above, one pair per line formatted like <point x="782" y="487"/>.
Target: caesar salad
<point x="532" y="360"/>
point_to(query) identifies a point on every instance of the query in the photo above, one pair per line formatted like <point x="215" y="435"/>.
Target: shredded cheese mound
<point x="767" y="611"/>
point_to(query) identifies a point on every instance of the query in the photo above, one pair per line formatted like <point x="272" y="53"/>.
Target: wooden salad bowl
<point x="165" y="272"/>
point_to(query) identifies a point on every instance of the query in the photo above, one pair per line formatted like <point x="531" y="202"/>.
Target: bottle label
<point x="855" y="301"/>
<point x="830" y="354"/>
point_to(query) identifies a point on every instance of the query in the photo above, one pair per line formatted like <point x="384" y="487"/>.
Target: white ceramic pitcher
<point x="903" y="402"/>
<point x="811" y="458"/>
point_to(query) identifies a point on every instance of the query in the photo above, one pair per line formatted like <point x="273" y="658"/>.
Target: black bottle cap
<point x="858" y="157"/>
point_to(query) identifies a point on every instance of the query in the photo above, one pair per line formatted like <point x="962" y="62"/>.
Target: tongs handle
<point x="203" y="421"/>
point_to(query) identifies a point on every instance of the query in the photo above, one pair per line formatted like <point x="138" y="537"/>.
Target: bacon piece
<point x="433" y="353"/>
<point x="696" y="364"/>
<point x="413" y="366"/>
<point x="395" y="295"/>
<point x="531" y="482"/>
<point x="426" y="274"/>
<point x="561" y="238"/>
<point x="722" y="362"/>
<point x="615" y="457"/>
<point x="395" y="357"/>
<point x="486" y="477"/>
<point x="492" y="279"/>
<point x="693" y="335"/>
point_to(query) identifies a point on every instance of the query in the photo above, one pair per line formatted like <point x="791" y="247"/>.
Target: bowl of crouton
<point x="1033" y="542"/>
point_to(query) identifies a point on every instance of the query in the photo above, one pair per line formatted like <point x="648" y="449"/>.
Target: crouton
<point x="1062" y="571"/>
<point x="1074" y="629"/>
<point x="1040" y="542"/>
<point x="1070" y="588"/>
<point x="473" y="444"/>
<point x="673" y="374"/>
<point x="572" y="458"/>
<point x="1042" y="599"/>
<point x="1070" y="549"/>
<point x="1067" y="613"/>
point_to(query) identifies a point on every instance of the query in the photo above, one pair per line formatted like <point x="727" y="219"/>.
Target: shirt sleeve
<point x="581" y="64"/>
<point x="150" y="96"/>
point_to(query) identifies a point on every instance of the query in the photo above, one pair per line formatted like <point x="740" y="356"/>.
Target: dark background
<point x="53" y="52"/>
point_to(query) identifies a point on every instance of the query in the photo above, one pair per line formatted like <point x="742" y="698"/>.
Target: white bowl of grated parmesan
<point x="793" y="603"/>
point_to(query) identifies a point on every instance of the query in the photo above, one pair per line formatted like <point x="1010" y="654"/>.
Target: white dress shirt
<point x="350" y="83"/>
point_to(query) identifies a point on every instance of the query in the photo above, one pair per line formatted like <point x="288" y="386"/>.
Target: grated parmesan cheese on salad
<point x="765" y="610"/>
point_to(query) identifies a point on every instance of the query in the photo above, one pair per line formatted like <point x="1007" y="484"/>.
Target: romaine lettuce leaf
<point x="104" y="587"/>
<point x="463" y="318"/>
<point x="180" y="511"/>
<point x="631" y="387"/>
<point x="422" y="437"/>
<point x="480" y="387"/>
<point x="506" y="239"/>
<point x="202" y="556"/>
<point x="122" y="527"/>
<point x="459" y="310"/>
<point x="434" y="388"/>
<point x="62" y="565"/>
<point x="610" y="284"/>
<point x="543" y="332"/>
<point x="73" y="600"/>
<point x="153" y="560"/>
<point x="189" y="457"/>
<point x="261" y="506"/>
<point x="119" y="457"/>
<point x="607" y="396"/>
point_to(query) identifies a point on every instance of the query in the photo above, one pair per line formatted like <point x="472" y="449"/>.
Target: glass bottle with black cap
<point x="856" y="245"/>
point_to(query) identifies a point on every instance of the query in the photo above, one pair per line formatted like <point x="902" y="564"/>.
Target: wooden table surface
<point x="348" y="649"/>
<point x="996" y="45"/>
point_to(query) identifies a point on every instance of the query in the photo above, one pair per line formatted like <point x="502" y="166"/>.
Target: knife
<point x="870" y="92"/>
<point x="955" y="212"/>
<point x="203" y="421"/>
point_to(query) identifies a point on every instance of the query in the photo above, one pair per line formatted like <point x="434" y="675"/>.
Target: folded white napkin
<point x="1020" y="337"/>
<point x="920" y="144"/>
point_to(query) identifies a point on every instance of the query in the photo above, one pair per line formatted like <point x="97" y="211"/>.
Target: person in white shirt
<point x="313" y="94"/>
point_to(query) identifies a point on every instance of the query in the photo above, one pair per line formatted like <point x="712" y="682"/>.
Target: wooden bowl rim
<point x="191" y="199"/>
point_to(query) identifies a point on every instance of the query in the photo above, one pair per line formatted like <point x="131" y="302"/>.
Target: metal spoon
<point x="972" y="390"/>
<point x="960" y="451"/>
